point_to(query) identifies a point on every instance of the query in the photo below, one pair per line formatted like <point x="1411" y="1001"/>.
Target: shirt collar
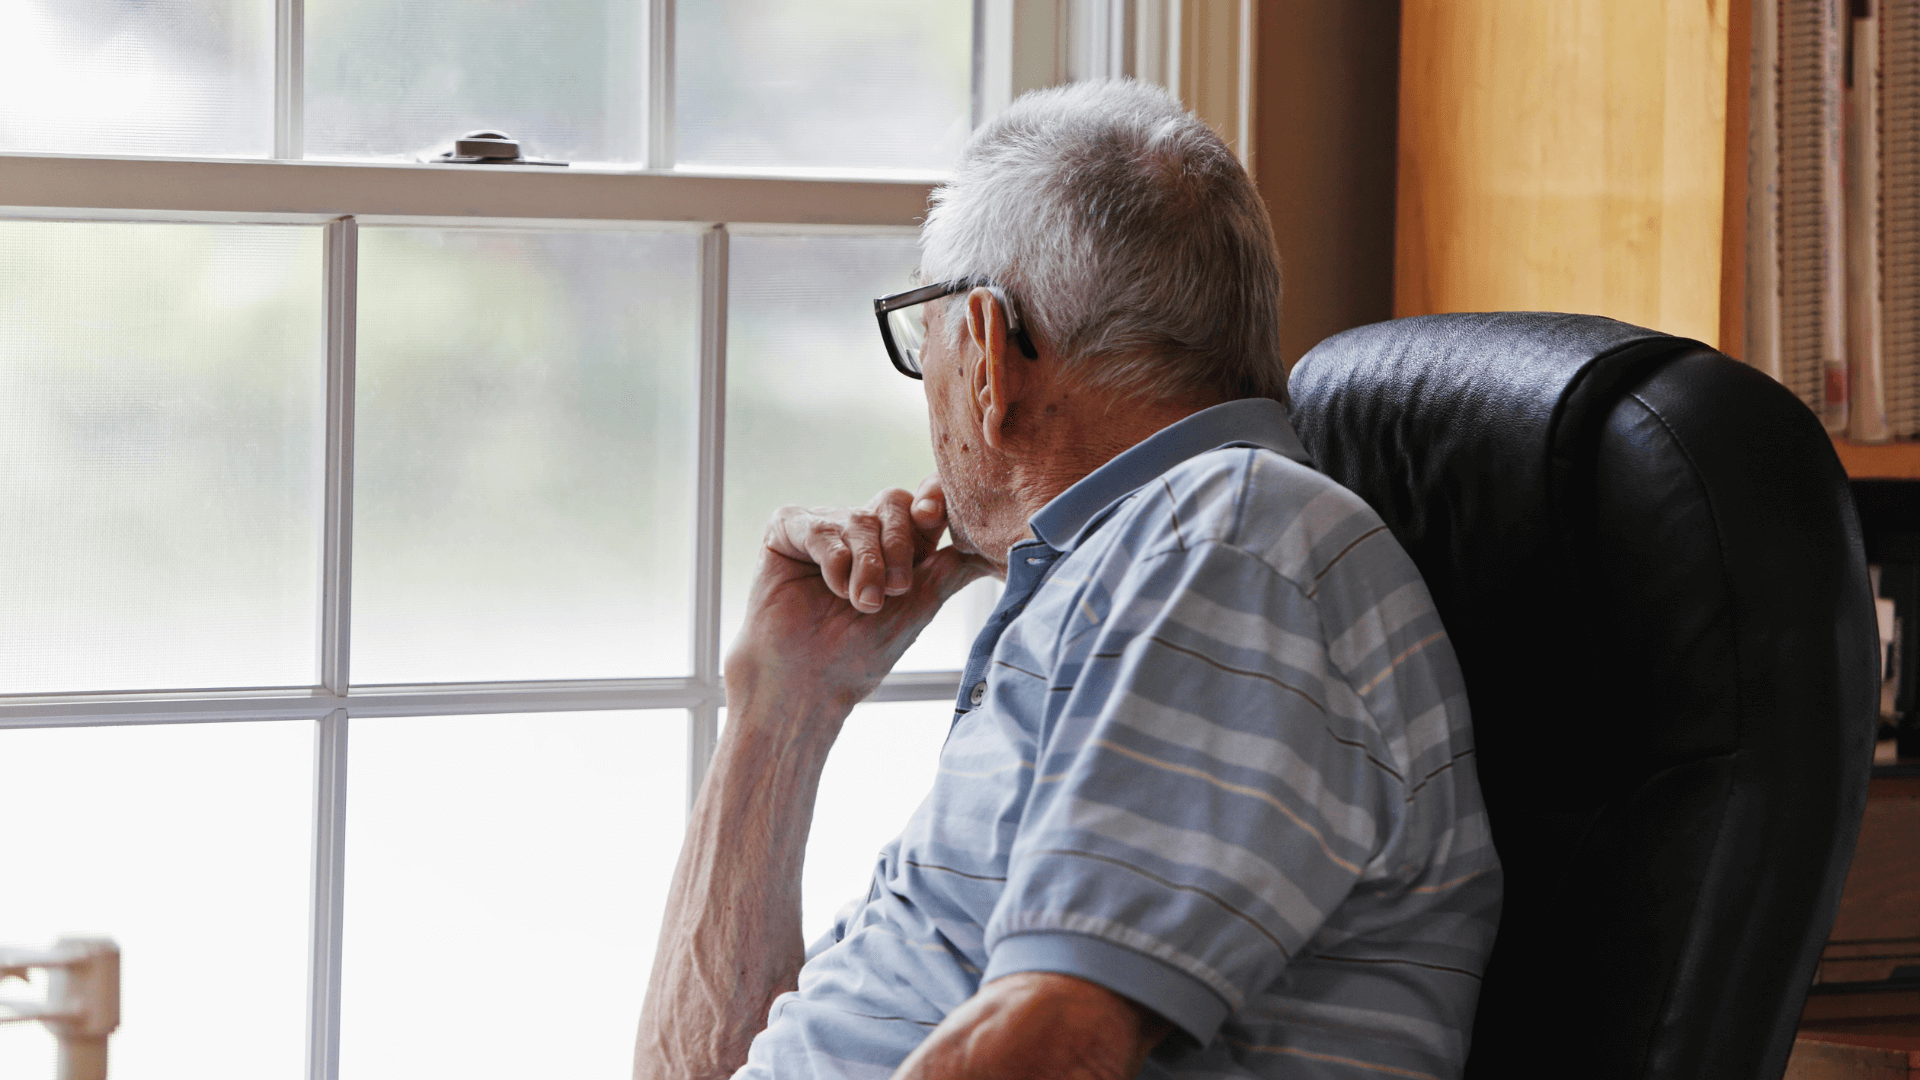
<point x="1260" y="422"/>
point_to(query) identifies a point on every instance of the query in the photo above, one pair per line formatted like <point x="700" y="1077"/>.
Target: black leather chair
<point x="1647" y="558"/>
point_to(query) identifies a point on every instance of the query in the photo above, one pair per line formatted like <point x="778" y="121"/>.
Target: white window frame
<point x="1019" y="45"/>
<point x="30" y="185"/>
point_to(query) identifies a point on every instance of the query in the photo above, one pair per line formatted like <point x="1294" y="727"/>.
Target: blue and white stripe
<point x="1221" y="764"/>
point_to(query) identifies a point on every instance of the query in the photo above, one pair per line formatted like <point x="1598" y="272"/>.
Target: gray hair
<point x="1128" y="235"/>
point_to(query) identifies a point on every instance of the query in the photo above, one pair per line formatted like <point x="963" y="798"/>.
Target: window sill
<point x="69" y="186"/>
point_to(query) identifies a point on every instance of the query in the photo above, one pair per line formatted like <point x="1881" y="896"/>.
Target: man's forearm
<point x="1038" y="1026"/>
<point x="730" y="942"/>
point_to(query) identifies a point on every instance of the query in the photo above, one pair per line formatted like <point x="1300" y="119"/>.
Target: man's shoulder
<point x="1289" y="516"/>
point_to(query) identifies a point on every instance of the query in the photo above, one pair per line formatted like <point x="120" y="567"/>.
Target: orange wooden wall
<point x="1565" y="155"/>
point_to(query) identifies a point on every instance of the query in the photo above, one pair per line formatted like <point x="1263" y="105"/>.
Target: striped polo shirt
<point x="1212" y="752"/>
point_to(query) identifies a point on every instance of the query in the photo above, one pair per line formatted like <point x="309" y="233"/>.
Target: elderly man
<point x="1208" y="806"/>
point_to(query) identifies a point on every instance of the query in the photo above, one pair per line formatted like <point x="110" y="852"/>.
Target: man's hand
<point x="840" y="594"/>
<point x="1038" y="1025"/>
<point x="867" y="554"/>
<point x="730" y="942"/>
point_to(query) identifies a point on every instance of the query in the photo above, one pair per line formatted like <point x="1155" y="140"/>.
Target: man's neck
<point x="1058" y="443"/>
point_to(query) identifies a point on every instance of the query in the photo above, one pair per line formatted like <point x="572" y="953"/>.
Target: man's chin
<point x="961" y="540"/>
<point x="964" y="544"/>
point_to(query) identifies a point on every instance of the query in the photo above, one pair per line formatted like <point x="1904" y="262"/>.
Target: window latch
<point x="486" y="147"/>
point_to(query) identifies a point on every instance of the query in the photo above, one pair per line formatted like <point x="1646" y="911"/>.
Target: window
<point x="377" y="525"/>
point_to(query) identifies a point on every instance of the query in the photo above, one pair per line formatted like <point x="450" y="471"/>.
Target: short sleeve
<point x="1207" y="789"/>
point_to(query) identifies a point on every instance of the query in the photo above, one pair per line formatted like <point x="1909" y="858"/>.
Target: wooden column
<point x="1564" y="156"/>
<point x="1324" y="129"/>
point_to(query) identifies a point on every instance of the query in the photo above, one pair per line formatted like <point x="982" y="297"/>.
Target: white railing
<point x="83" y="1000"/>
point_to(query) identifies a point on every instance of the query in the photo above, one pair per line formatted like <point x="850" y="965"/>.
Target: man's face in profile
<point x="957" y="450"/>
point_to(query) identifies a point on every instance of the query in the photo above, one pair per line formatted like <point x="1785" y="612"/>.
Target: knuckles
<point x="833" y="537"/>
<point x="777" y="524"/>
<point x="897" y="500"/>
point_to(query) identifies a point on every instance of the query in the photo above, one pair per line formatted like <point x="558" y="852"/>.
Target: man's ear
<point x="996" y="382"/>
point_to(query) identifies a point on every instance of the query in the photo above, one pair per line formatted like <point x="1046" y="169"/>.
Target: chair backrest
<point x="1648" y="561"/>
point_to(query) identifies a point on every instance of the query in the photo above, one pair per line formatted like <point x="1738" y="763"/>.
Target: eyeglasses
<point x="903" y="321"/>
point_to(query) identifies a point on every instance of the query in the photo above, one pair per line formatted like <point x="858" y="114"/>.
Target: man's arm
<point x="819" y="636"/>
<point x="1040" y="1026"/>
<point x="730" y="942"/>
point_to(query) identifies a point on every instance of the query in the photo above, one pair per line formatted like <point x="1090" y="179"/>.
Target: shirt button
<point x="979" y="693"/>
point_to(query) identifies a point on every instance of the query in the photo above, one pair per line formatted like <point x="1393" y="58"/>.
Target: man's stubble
<point x="962" y="505"/>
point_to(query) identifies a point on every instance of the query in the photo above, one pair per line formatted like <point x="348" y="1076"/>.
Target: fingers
<point x="896" y="538"/>
<point x="848" y="547"/>
<point x="787" y="532"/>
<point x="866" y="584"/>
<point x="806" y="536"/>
<point x="827" y="545"/>
<point x="935" y="581"/>
<point x="930" y="506"/>
<point x="869" y="554"/>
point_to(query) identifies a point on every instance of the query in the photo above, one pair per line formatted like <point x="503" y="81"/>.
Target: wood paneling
<point x="1216" y="44"/>
<point x="1877" y="928"/>
<point x="1325" y="132"/>
<point x="1565" y="156"/>
<point x="1891" y="461"/>
<point x="1733" y="229"/>
<point x="1893" y="1010"/>
<point x="1818" y="1060"/>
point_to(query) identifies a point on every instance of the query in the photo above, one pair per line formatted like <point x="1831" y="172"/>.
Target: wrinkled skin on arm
<point x="838" y="597"/>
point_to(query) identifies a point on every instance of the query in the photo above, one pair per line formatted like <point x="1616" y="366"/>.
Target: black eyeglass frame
<point x="925" y="293"/>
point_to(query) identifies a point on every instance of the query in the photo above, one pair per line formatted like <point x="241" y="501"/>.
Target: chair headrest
<point x="1461" y="424"/>
<point x="1648" y="562"/>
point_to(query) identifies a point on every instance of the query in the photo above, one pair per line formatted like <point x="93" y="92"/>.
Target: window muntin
<point x="227" y="193"/>
<point x="350" y="251"/>
<point x="508" y="877"/>
<point x="523" y="480"/>
<point x="828" y="86"/>
<point x="161" y="429"/>
<point x="188" y="844"/>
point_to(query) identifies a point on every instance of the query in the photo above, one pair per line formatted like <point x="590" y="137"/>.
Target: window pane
<point x="815" y="413"/>
<point x="180" y="77"/>
<point x="523" y="473"/>
<point x="878" y="774"/>
<point x="505" y="881"/>
<point x="389" y="79"/>
<point x="189" y="846"/>
<point x="869" y="84"/>
<point x="161" y="444"/>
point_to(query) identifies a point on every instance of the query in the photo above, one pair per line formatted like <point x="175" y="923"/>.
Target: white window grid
<point x="1019" y="44"/>
<point x="288" y="193"/>
<point x="333" y="702"/>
